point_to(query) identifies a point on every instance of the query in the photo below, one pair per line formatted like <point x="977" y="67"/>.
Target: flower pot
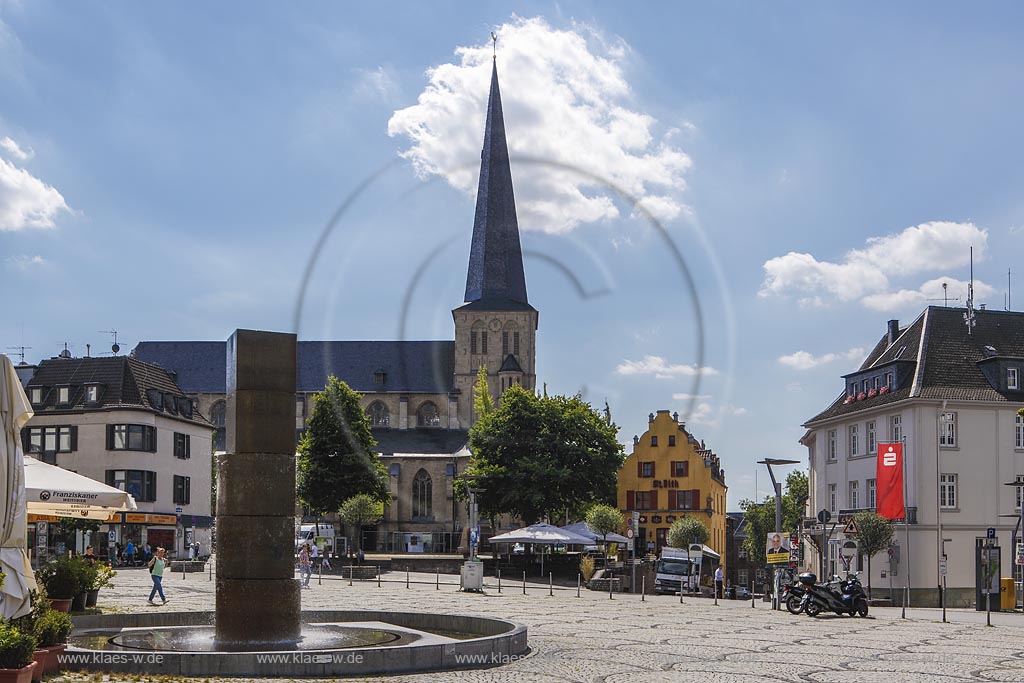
<point x="40" y="664"/>
<point x="60" y="604"/>
<point x="22" y="675"/>
<point x="91" y="597"/>
<point x="53" y="658"/>
<point x="78" y="603"/>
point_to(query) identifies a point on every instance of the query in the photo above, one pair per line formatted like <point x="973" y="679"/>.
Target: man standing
<point x="129" y="554"/>
<point x="719" y="577"/>
<point x="305" y="566"/>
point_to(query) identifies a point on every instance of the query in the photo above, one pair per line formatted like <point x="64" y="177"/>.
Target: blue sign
<point x="991" y="532"/>
<point x="474" y="537"/>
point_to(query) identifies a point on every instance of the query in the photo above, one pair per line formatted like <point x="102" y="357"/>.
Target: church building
<point x="418" y="395"/>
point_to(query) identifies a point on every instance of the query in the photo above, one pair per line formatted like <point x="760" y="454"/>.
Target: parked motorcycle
<point x="792" y="596"/>
<point x="843" y="597"/>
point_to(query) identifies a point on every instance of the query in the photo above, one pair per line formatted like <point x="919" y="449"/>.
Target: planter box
<point x="53" y="658"/>
<point x="60" y="604"/>
<point x="91" y="597"/>
<point x="23" y="675"/>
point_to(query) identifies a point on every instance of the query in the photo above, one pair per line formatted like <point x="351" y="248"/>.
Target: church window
<point x="504" y="344"/>
<point x="515" y="343"/>
<point x="472" y="342"/>
<point x="426" y="415"/>
<point x="422" y="490"/>
<point x="483" y="342"/>
<point x="378" y="414"/>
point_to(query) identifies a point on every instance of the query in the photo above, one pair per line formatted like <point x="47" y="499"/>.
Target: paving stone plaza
<point x="595" y="639"/>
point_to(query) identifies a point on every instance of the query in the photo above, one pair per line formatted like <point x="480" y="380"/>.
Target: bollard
<point x="680" y="591"/>
<point x="610" y="596"/>
<point x="643" y="589"/>
<point x="551" y="585"/>
<point x="753" y="604"/>
<point x="524" y="583"/>
<point x="210" y="563"/>
<point x="577" y="585"/>
<point x="320" y="575"/>
<point x="183" y="570"/>
<point x="350" y="572"/>
<point x="437" y="579"/>
<point x="378" y="576"/>
<point x="407" y="577"/>
<point x="499" y="580"/>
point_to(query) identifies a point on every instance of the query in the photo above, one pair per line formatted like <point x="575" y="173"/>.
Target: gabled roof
<point x="422" y="441"/>
<point x="123" y="382"/>
<point x="947" y="368"/>
<point x="495" y="277"/>
<point x="510" y="364"/>
<point x="408" y="366"/>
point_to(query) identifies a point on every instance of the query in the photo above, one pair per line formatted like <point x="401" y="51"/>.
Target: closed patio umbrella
<point x="15" y="411"/>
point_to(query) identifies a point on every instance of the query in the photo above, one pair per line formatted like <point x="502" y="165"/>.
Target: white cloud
<point x="688" y="397"/>
<point x="929" y="293"/>
<point x="13" y="149"/>
<point x="566" y="103"/>
<point x="24" y="261"/>
<point x="661" y="369"/>
<point x="802" y="360"/>
<point x="706" y="414"/>
<point x="865" y="272"/>
<point x="26" y="201"/>
<point x="376" y="83"/>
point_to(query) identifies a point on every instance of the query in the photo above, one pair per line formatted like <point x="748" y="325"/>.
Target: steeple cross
<point x="494" y="44"/>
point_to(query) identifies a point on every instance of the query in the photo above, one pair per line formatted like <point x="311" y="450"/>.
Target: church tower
<point x="496" y="327"/>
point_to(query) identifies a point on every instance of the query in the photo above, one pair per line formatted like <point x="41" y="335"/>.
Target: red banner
<point x="889" y="485"/>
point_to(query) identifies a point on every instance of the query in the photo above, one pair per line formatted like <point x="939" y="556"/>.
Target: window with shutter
<point x="630" y="500"/>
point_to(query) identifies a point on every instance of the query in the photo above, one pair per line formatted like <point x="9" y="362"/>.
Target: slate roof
<point x="421" y="441"/>
<point x="948" y="368"/>
<point x="124" y="382"/>
<point x="510" y="364"/>
<point x="408" y="366"/>
<point x="495" y="277"/>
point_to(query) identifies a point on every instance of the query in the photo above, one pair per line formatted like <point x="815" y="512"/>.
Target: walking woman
<point x="156" y="570"/>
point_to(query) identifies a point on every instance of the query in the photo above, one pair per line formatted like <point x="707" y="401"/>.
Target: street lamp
<point x="944" y="418"/>
<point x="777" y="487"/>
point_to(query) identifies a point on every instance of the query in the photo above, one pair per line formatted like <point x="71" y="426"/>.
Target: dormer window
<point x="92" y="393"/>
<point x="1012" y="378"/>
<point x="380" y="377"/>
<point x="35" y="395"/>
<point x="63" y="395"/>
<point x="889" y="380"/>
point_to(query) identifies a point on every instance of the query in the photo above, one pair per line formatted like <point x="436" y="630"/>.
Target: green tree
<point x="604" y="519"/>
<point x="336" y="458"/>
<point x="360" y="511"/>
<point x="875" y="535"/>
<point x="761" y="516"/>
<point x="535" y="456"/>
<point x="686" y="530"/>
<point x="482" y="402"/>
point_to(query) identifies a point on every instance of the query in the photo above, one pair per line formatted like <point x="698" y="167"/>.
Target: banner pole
<point x="906" y="529"/>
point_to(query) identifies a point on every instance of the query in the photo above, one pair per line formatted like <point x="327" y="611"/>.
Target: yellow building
<point x="670" y="475"/>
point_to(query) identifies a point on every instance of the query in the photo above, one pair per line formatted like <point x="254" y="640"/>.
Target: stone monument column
<point x="258" y="604"/>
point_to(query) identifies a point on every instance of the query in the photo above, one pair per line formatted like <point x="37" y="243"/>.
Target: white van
<point x="322" y="535"/>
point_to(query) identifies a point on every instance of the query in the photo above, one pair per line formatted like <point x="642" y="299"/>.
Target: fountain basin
<point x="336" y="643"/>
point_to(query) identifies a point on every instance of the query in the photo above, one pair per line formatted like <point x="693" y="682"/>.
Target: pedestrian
<point x="360" y="556"/>
<point x="325" y="563"/>
<point x="305" y="566"/>
<point x="148" y="552"/>
<point x="719" y="578"/>
<point x="89" y="556"/>
<point x="118" y="555"/>
<point x="197" y="550"/>
<point x="191" y="551"/>
<point x="314" y="556"/>
<point x="112" y="554"/>
<point x="156" y="571"/>
<point x="129" y="554"/>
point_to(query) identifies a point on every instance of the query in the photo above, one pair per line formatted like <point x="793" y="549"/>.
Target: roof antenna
<point x="115" y="347"/>
<point x="969" y="315"/>
<point x="65" y="353"/>
<point x="1009" y="292"/>
<point x="494" y="44"/>
<point x="21" y="352"/>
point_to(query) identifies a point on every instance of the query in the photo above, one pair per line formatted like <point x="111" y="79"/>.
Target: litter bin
<point x="1007" y="596"/>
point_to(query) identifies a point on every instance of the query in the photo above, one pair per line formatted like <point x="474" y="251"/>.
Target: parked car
<point x="742" y="593"/>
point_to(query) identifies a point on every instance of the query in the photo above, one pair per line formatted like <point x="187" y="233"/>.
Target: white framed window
<point x="63" y="394"/>
<point x="889" y="380"/>
<point x="947" y="491"/>
<point x="854" y="432"/>
<point x="1012" y="378"/>
<point x="853" y="494"/>
<point x="833" y="444"/>
<point x="1019" y="441"/>
<point x="896" y="428"/>
<point x="741" y="577"/>
<point x="947" y="430"/>
<point x="876" y="382"/>
<point x="1019" y="479"/>
<point x="872" y="486"/>
<point x="92" y="393"/>
<point x="869" y="432"/>
<point x="35" y="395"/>
<point x="832" y="498"/>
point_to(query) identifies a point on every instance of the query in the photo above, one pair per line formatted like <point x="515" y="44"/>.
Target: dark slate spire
<point x="495" y="279"/>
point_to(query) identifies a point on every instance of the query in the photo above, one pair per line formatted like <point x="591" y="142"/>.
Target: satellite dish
<point x="115" y="347"/>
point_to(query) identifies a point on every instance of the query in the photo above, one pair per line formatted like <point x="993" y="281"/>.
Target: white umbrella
<point x="53" y="490"/>
<point x="15" y="411"/>
<point x="583" y="529"/>
<point x="543" y="534"/>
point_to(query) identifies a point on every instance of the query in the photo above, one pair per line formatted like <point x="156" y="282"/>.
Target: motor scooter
<point x="845" y="597"/>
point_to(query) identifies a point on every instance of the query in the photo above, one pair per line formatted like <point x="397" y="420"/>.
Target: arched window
<point x="510" y="339"/>
<point x="378" y="414"/>
<point x="478" y="338"/>
<point x="218" y="416"/>
<point x="426" y="415"/>
<point x="422" y="491"/>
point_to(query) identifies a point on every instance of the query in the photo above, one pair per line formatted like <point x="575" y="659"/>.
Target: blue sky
<point x="820" y="168"/>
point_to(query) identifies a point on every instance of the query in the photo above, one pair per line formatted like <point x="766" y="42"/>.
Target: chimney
<point x="894" y="331"/>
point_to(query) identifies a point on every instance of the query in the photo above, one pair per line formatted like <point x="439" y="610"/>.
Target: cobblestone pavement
<point x="595" y="639"/>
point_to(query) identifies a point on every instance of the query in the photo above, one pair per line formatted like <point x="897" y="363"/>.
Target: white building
<point x="124" y="422"/>
<point x="953" y="398"/>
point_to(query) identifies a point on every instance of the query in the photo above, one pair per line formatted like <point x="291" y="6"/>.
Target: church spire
<point x="495" y="276"/>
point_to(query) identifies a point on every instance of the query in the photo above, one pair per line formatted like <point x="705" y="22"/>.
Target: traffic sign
<point x="1020" y="553"/>
<point x="851" y="527"/>
<point x="942" y="566"/>
<point x="991" y="532"/>
<point x="112" y="535"/>
<point x="824" y="516"/>
<point x="630" y="533"/>
<point x="849" y="549"/>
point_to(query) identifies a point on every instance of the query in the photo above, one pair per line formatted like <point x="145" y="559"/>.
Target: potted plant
<point x="16" y="652"/>
<point x="62" y="581"/>
<point x="52" y="629"/>
<point x="102" y="577"/>
<point x="88" y="575"/>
